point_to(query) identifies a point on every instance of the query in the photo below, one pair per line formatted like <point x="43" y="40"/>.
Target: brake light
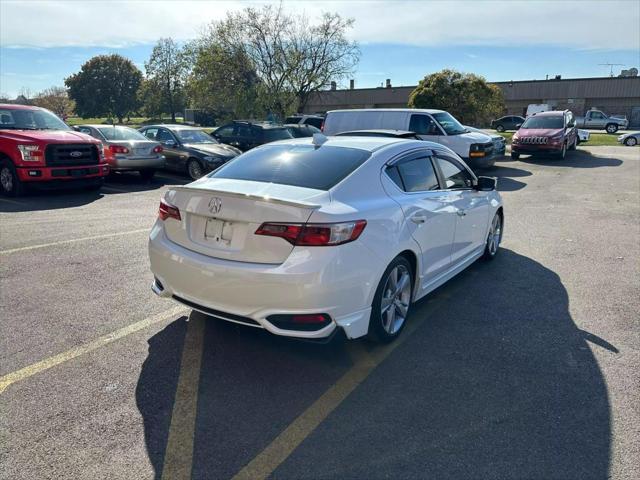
<point x="314" y="234"/>
<point x="167" y="210"/>
<point x="322" y="126"/>
<point x="118" y="149"/>
<point x="157" y="149"/>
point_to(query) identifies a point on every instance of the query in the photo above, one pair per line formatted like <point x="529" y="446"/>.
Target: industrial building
<point x="612" y="95"/>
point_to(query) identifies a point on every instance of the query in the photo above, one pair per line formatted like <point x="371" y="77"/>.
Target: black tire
<point x="630" y="141"/>
<point x="611" y="128"/>
<point x="492" y="246"/>
<point x="563" y="152"/>
<point x="195" y="170"/>
<point x="499" y="128"/>
<point x="574" y="144"/>
<point x="377" y="331"/>
<point x="577" y="140"/>
<point x="147" y="175"/>
<point x="10" y="184"/>
<point x="515" y="155"/>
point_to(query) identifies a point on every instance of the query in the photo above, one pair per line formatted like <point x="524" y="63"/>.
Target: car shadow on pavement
<point x="497" y="382"/>
<point x="506" y="177"/>
<point x="575" y="159"/>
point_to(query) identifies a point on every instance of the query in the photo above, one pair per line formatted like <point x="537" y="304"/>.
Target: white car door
<point x="414" y="185"/>
<point x="471" y="207"/>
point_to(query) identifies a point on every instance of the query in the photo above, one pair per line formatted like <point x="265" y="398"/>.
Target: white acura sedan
<point x="309" y="236"/>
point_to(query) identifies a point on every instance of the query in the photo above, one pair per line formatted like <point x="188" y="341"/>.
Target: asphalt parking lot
<point x="524" y="367"/>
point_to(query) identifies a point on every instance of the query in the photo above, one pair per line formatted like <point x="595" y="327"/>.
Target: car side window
<point x="163" y="135"/>
<point x="151" y="133"/>
<point x="453" y="174"/>
<point x="414" y="175"/>
<point x="423" y="125"/>
<point x="86" y="131"/>
<point x="244" y="131"/>
<point x="226" y="131"/>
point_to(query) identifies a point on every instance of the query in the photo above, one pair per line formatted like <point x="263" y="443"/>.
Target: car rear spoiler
<point x="263" y="198"/>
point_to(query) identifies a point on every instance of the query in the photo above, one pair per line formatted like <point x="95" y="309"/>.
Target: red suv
<point x="36" y="147"/>
<point x="546" y="133"/>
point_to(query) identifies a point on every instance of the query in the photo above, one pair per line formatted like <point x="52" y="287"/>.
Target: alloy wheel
<point x="195" y="169"/>
<point x="495" y="235"/>
<point x="631" y="142"/>
<point x="6" y="179"/>
<point x="396" y="297"/>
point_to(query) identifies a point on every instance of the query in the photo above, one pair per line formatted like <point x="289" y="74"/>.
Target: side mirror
<point x="518" y="125"/>
<point x="486" y="184"/>
<point x="169" y="143"/>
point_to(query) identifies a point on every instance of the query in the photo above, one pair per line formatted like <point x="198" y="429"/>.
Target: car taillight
<point x="157" y="149"/>
<point x="322" y="126"/>
<point x="167" y="210"/>
<point x="314" y="234"/>
<point x="118" y="149"/>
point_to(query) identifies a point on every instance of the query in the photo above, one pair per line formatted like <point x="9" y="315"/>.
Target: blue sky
<point x="500" y="40"/>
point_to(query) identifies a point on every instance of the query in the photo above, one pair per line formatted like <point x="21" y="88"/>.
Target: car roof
<point x="172" y="126"/>
<point x="260" y="124"/>
<point x="101" y="125"/>
<point x="416" y="110"/>
<point x="550" y="113"/>
<point x="370" y="144"/>
<point x="395" y="133"/>
<point x="17" y="106"/>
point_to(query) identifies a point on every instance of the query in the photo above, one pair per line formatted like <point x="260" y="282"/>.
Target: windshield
<point x="448" y="123"/>
<point x="193" y="135"/>
<point x="40" y="119"/>
<point x="547" y="122"/>
<point x="273" y="134"/>
<point x="298" y="165"/>
<point x="121" y="133"/>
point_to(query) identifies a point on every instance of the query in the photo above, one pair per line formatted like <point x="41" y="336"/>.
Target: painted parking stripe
<point x="63" y="357"/>
<point x="364" y="362"/>
<point x="73" y="240"/>
<point x="178" y="458"/>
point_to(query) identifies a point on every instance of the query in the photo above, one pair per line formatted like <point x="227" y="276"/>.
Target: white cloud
<point x="575" y="24"/>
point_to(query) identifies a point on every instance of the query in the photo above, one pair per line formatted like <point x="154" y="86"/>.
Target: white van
<point x="475" y="148"/>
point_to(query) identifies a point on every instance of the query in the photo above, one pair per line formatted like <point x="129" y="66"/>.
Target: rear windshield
<point x="273" y="134"/>
<point x="556" y="121"/>
<point x="121" y="133"/>
<point x="298" y="165"/>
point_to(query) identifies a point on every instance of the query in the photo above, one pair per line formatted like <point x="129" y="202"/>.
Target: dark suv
<point x="546" y="133"/>
<point x="245" y="135"/>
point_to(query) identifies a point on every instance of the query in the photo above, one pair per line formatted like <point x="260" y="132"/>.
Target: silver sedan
<point x="629" y="139"/>
<point x="126" y="149"/>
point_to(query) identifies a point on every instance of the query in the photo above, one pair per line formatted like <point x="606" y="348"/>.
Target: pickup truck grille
<point x="68" y="155"/>
<point x="534" y="140"/>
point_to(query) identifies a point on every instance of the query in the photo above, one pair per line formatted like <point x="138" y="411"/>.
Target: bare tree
<point x="55" y="99"/>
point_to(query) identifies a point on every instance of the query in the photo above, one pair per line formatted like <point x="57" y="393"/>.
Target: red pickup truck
<point x="36" y="147"/>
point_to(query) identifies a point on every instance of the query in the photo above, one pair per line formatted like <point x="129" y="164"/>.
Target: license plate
<point x="218" y="232"/>
<point x="140" y="151"/>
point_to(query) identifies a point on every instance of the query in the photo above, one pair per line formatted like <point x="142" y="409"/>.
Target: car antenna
<point x="319" y="139"/>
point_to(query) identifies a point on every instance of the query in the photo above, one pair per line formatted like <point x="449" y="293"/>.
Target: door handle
<point x="461" y="212"/>
<point x="418" y="218"/>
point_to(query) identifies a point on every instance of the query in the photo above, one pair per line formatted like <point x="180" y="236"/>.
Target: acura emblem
<point x="75" y="154"/>
<point x="215" y="205"/>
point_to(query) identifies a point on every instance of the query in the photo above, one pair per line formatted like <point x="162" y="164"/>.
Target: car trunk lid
<point x="219" y="217"/>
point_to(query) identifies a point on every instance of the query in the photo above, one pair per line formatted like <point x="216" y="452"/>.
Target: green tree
<point x="106" y="85"/>
<point x="166" y="70"/>
<point x="467" y="96"/>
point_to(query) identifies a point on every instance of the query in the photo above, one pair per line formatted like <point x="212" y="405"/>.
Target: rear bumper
<point x="61" y="174"/>
<point x="141" y="163"/>
<point x="336" y="281"/>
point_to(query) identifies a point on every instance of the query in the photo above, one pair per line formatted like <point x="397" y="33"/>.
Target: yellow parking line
<point x="364" y="362"/>
<point x="50" y="362"/>
<point x="73" y="240"/>
<point x="178" y="457"/>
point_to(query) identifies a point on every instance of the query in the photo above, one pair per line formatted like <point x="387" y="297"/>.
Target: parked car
<point x="629" y="139"/>
<point x="310" y="236"/>
<point x="313" y="120"/>
<point x="595" y="119"/>
<point x="188" y="149"/>
<point x="499" y="142"/>
<point x="433" y="125"/>
<point x="37" y="148"/>
<point x="508" y="122"/>
<point x="381" y="133"/>
<point x="246" y="135"/>
<point x="126" y="149"/>
<point x="299" y="131"/>
<point x="546" y="133"/>
<point x="583" y="136"/>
